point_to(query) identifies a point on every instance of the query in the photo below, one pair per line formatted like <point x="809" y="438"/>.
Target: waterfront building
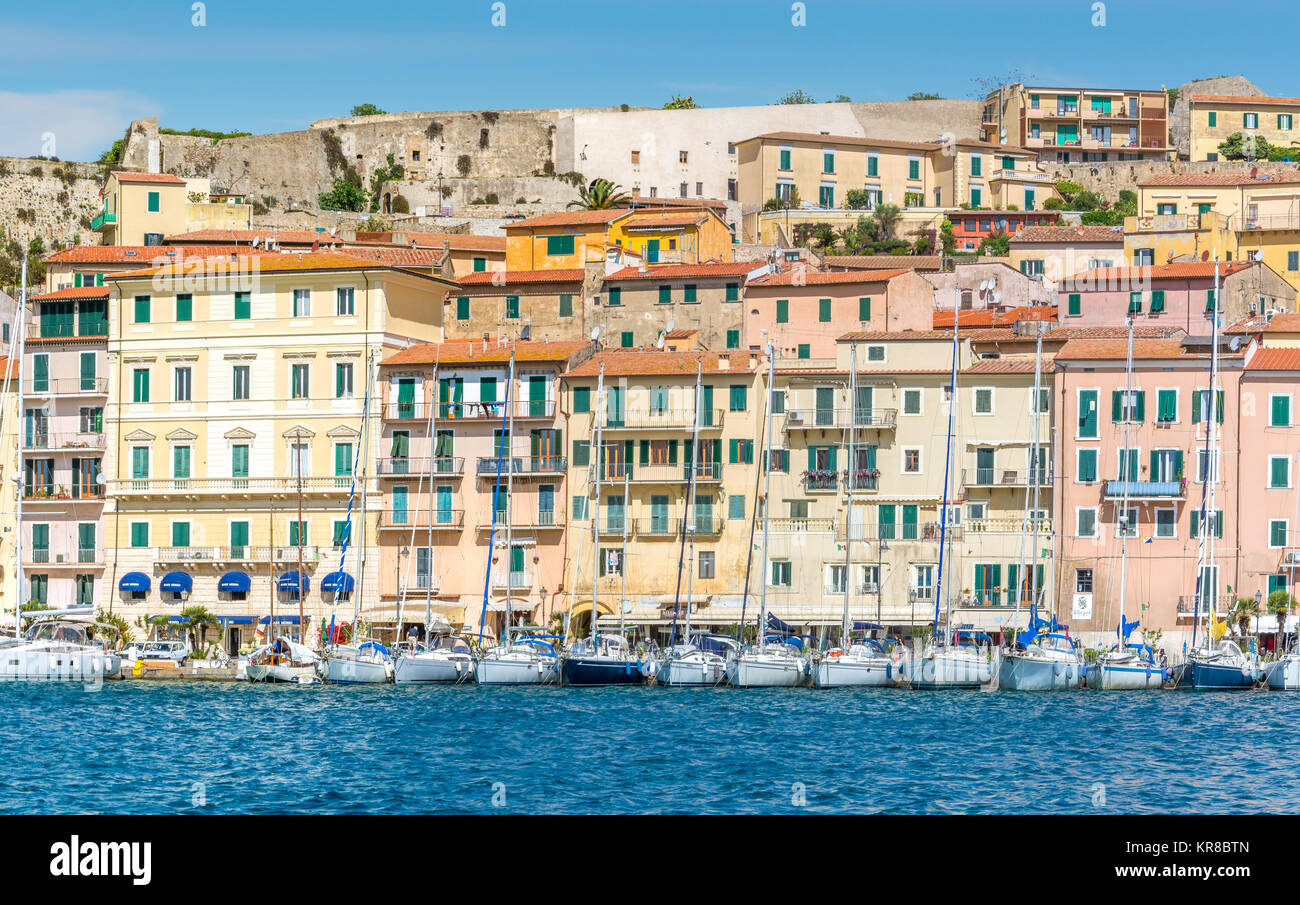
<point x="452" y="475"/>
<point x="1213" y="118"/>
<point x="684" y="520"/>
<point x="1079" y="125"/>
<point x="11" y="596"/>
<point x="237" y="396"/>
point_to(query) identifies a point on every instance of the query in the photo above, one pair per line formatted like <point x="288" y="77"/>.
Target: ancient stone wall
<point x="50" y="199"/>
<point x="1179" y="121"/>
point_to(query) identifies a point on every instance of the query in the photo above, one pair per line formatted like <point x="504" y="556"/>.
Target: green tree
<point x="923" y="96"/>
<point x="681" y="103"/>
<point x="197" y="621"/>
<point x="857" y="199"/>
<point x="946" y="238"/>
<point x="392" y="170"/>
<point x="887" y="217"/>
<point x="367" y="110"/>
<point x="345" y="195"/>
<point x="797" y="97"/>
<point x="998" y="245"/>
<point x="115" y="624"/>
<point x="1280" y="604"/>
<point x="1243" y="611"/>
<point x="1239" y="146"/>
<point x="601" y="195"/>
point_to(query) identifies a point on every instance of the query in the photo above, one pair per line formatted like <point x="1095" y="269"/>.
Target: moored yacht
<point x="367" y="663"/>
<point x="284" y="660"/>
<point x="1222" y="667"/>
<point x="57" y="649"/>
<point x="1283" y="674"/>
<point x="524" y="659"/>
<point x="1046" y="659"/>
<point x="604" y="659"/>
<point x="446" y="658"/>
<point x="703" y="661"/>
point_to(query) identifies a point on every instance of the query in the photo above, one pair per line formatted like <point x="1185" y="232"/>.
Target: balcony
<point x="66" y="386"/>
<point x="658" y="526"/>
<point x="83" y="556"/>
<point x="521" y="410"/>
<point x="925" y="531"/>
<point x="443" y="466"/>
<point x="704" y="473"/>
<point x="491" y="466"/>
<point x="262" y="554"/>
<point x="1222" y="604"/>
<point x="1042" y="526"/>
<point x="1263" y="224"/>
<point x="1004" y="477"/>
<point x="1290" y="558"/>
<point x="522" y="516"/>
<point x="104" y="218"/>
<point x="829" y="419"/>
<point x="230" y="487"/>
<point x="71" y="440"/>
<point x="423" y="519"/>
<point x="503" y="580"/>
<point x="51" y="494"/>
<point x="1146" y="490"/>
<point x="665" y="420"/>
<point x="820" y="481"/>
<point x="801" y="525"/>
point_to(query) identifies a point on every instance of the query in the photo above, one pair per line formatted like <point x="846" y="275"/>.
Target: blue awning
<point x="237" y="620"/>
<point x="289" y="582"/>
<point x="234" y="581"/>
<point x="279" y="620"/>
<point x="176" y="582"/>
<point x="340" y="582"/>
<point x="134" y="581"/>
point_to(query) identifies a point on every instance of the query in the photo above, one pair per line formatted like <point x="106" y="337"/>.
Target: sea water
<point x="206" y="747"/>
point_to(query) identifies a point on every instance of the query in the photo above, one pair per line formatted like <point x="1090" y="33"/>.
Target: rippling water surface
<point x="235" y="747"/>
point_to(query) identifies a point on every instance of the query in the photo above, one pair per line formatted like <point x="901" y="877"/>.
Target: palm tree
<point x="888" y="216"/>
<point x="1246" y="608"/>
<point x="849" y="239"/>
<point x="601" y="195"/>
<point x="825" y="235"/>
<point x="197" y="619"/>
<point x="1280" y="603"/>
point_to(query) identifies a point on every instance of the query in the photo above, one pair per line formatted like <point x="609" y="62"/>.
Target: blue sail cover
<point x="776" y="625"/>
<point x="714" y="644"/>
<point x="1125" y="628"/>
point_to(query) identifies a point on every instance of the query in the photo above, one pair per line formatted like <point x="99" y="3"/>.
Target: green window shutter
<point x="665" y="295"/>
<point x="864" y="309"/>
<point x="1116" y="405"/>
<point x="76" y="279"/>
<point x="873" y="166"/>
<point x="1073" y="304"/>
<point x="733" y="292"/>
<point x="487" y="389"/>
<point x="1281" y="412"/>
<point x="581" y="453"/>
<point x="1178" y="465"/>
<point x="1167" y="406"/>
<point x="243" y="306"/>
<point x="180" y="534"/>
<point x="140" y="534"/>
<point x="824" y="310"/>
<point x="581" y="399"/>
<point x="1196" y="406"/>
<point x="615" y="296"/>
<point x="738" y="397"/>
<point x="783" y="311"/>
<point x="1135" y="303"/>
<point x="785" y="159"/>
<point x="1157" y="300"/>
<point x="672" y="452"/>
<point x="184" y="307"/>
<point x="828" y="162"/>
<point x="1140" y="414"/>
<point x="805" y="350"/>
<point x="1087" y="466"/>
<point x="462" y="308"/>
<point x="1209" y="300"/>
<point x="480" y="265"/>
<point x="645" y="453"/>
<point x="512" y="306"/>
<point x="566" y="304"/>
<point x="733" y="339"/>
<point x="559" y="245"/>
<point x="1278" y="468"/>
<point x="914" y="169"/>
<point x="733" y="447"/>
<point x="239" y="461"/>
<point x="153" y="202"/>
<point x="1213" y="119"/>
<point x="885" y="516"/>
<point x="99" y="279"/>
<point x="688" y="293"/>
<point x="625" y="339"/>
<point x="142" y="309"/>
<point x="1218" y="406"/>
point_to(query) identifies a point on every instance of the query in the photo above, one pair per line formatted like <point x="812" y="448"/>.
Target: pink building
<point x="803" y="312"/>
<point x="1178" y="294"/>
<point x="1162" y="467"/>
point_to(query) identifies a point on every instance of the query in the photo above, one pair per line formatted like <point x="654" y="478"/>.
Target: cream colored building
<point x="1215" y="117"/>
<point x="235" y="398"/>
<point x="145" y="208"/>
<point x="1052" y="253"/>
<point x="653" y="490"/>
<point x="10" y="599"/>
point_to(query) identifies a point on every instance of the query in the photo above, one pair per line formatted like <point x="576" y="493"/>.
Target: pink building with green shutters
<point x="1161" y="469"/>
<point x="1180" y="294"/>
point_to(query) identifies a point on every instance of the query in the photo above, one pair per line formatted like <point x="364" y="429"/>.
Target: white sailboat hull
<point x="763" y="670"/>
<point x="348" y="671"/>
<point x="262" y="672"/>
<point x="842" y="672"/>
<point x="949" y="668"/>
<point x="427" y="669"/>
<point x="1018" y="672"/>
<point x="1127" y="675"/>
<point x="36" y="664"/>
<point x="1283" y="674"/>
<point x="692" y="671"/>
<point x="514" y="671"/>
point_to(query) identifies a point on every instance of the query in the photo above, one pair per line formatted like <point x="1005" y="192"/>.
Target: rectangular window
<point x="302" y="303"/>
<point x="707" y="559"/>
<point x="559" y="245"/>
<point x="976" y="164"/>
<point x="914" y="168"/>
<point x="733" y="339"/>
<point x="1135" y="303"/>
<point x="300" y="380"/>
<point x="1165" y="522"/>
<point x="665" y="295"/>
<point x="183" y="385"/>
<point x="864" y="309"/>
<point x="345" y="301"/>
<point x="824" y="311"/>
<point x="581" y="399"/>
<point x="783" y="311"/>
<point x="1279" y="410"/>
<point x="1166" y="406"/>
<point x="512" y="307"/>
<point x="1196" y="522"/>
<point x="1086" y="522"/>
<point x="615" y="296"/>
<point x="243" y="306"/>
<point x="626" y="339"/>
<point x="1087" y="470"/>
<point x="566" y="304"/>
<point x="733" y="293"/>
<point x="983" y="400"/>
<point x="142" y="309"/>
<point x="184" y="307"/>
<point x="784" y="159"/>
<point x="1277" y="532"/>
<point x="180" y="534"/>
<point x="688" y="294"/>
<point x="462" y="308"/>
<point x="1284" y="121"/>
<point x="804" y="350"/>
<point x="1279" y="472"/>
<point x="343" y="380"/>
<point x="736" y="506"/>
<point x="738" y="397"/>
<point x="1212" y="119"/>
<point x="1073" y="305"/>
<point x="781" y="573"/>
<point x="154" y="202"/>
<point x="139" y="534"/>
<point x="1250" y="120"/>
<point x="241" y="382"/>
<point x="912" y="402"/>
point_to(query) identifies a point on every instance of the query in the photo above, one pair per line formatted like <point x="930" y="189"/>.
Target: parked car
<point x="175" y="651"/>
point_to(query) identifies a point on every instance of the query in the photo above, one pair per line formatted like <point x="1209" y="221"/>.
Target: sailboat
<point x="603" y="658"/>
<point x="948" y="661"/>
<point x="1045" y="657"/>
<point x="1283" y="674"/>
<point x="367" y="662"/>
<point x="861" y="662"/>
<point x="1125" y="666"/>
<point x="1217" y="666"/>
<point x="768" y="662"/>
<point x="697" y="660"/>
<point x="283" y="659"/>
<point x="522" y="657"/>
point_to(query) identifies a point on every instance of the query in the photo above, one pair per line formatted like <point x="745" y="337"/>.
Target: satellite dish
<point x="595" y="333"/>
<point x="1258" y="255"/>
<point x="99" y="478"/>
<point x="1205" y="256"/>
<point x="1235" y="343"/>
<point x="669" y="328"/>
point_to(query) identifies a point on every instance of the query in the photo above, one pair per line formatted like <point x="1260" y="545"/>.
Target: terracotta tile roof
<point x="882" y="335"/>
<point x="72" y="292"/>
<point x="1117" y="349"/>
<point x="246" y="237"/>
<point x="1019" y="365"/>
<point x="515" y="277"/>
<point x="645" y="202"/>
<point x="570" y="218"/>
<point x="1178" y="270"/>
<point x="665" y="221"/>
<point x="680" y="334"/>
<point x="475" y="351"/>
<point x="399" y="256"/>
<point x="992" y="317"/>
<point x="8" y="368"/>
<point x="161" y="178"/>
<point x="686" y="271"/>
<point x="1275" y="359"/>
<point x="1253" y="323"/>
<point x="856" y="141"/>
<point x="1069" y="234"/>
<point x="997" y="334"/>
<point x="302" y="261"/>
<point x="801" y="277"/>
<point x="883" y="262"/>
<point x="135" y="254"/>
<point x="630" y="362"/>
<point x="1176" y="179"/>
<point x="1065" y="334"/>
<point x="1288" y="322"/>
<point x="1243" y="99"/>
<point x="458" y="241"/>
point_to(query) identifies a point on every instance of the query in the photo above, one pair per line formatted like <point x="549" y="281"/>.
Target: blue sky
<point x="82" y="69"/>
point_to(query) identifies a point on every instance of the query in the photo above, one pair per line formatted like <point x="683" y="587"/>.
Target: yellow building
<point x="9" y="595"/>
<point x="572" y="239"/>
<point x="674" y="236"/>
<point x="1215" y="117"/>
<point x="1079" y="125"/>
<point x="650" y="487"/>
<point x="145" y="208"/>
<point x="236" y="397"/>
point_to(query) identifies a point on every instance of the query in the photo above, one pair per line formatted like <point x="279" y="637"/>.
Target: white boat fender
<point x="1057" y="668"/>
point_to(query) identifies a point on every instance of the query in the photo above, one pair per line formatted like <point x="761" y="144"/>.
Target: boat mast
<point x="19" y="478"/>
<point x="510" y="488"/>
<point x="432" y="441"/>
<point x="270" y="569"/>
<point x="767" y="490"/>
<point x="947" y="462"/>
<point x="1211" y="464"/>
<point x="302" y="626"/>
<point x="622" y="560"/>
<point x="1039" y="465"/>
<point x="597" y="465"/>
<point x="689" y="521"/>
<point x="853" y="480"/>
<point x="1125" y="461"/>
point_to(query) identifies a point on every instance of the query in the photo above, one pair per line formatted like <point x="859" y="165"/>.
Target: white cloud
<point x="83" y="123"/>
